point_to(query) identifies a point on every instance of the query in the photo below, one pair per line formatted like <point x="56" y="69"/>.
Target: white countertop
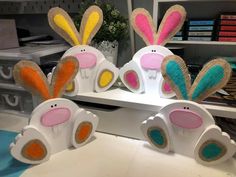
<point x="123" y="98"/>
<point x="113" y="156"/>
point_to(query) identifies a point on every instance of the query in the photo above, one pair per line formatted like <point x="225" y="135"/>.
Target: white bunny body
<point x="92" y="63"/>
<point x="148" y="62"/>
<point x="186" y="127"/>
<point x="57" y="123"/>
<point x="142" y="74"/>
<point x="96" y="73"/>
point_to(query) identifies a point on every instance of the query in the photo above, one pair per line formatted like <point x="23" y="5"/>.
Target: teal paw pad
<point x="157" y="136"/>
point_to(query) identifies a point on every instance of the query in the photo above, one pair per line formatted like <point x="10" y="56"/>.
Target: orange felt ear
<point x="64" y="74"/>
<point x="29" y="75"/>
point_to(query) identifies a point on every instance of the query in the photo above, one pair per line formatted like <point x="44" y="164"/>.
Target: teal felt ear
<point x="214" y="75"/>
<point x="175" y="72"/>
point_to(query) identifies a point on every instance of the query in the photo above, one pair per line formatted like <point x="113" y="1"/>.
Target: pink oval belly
<point x="185" y="118"/>
<point x="86" y="60"/>
<point x="55" y="116"/>
<point x="151" y="61"/>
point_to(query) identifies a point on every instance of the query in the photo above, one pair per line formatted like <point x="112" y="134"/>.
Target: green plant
<point x="114" y="27"/>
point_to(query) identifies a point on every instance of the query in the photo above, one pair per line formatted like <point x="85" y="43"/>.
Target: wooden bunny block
<point x="185" y="126"/>
<point x="96" y="73"/>
<point x="57" y="123"/>
<point x="142" y="74"/>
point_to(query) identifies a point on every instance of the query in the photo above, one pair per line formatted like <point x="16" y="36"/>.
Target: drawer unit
<point x="12" y="100"/>
<point x="6" y="68"/>
<point x="118" y="120"/>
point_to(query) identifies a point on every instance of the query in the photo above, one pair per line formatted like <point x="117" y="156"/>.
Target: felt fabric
<point x="105" y="78"/>
<point x="90" y="24"/>
<point x="30" y="76"/>
<point x="143" y="25"/>
<point x="212" y="150"/>
<point x="175" y="73"/>
<point x="34" y="150"/>
<point x="9" y="167"/>
<point x="83" y="131"/>
<point x="214" y="75"/>
<point x="64" y="74"/>
<point x="62" y="24"/>
<point x="171" y="23"/>
<point x="157" y="136"/>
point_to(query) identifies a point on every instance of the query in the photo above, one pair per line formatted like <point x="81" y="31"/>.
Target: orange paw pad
<point x="34" y="150"/>
<point x="83" y="131"/>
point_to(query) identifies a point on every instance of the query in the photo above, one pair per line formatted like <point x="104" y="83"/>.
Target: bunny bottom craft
<point x="57" y="123"/>
<point x="186" y="127"/>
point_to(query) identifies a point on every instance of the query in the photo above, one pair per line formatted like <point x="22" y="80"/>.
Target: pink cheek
<point x="86" y="60"/>
<point x="55" y="116"/>
<point x="151" y="61"/>
<point x="185" y="118"/>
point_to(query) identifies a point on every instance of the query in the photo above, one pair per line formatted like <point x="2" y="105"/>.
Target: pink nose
<point x="151" y="61"/>
<point x="185" y="118"/>
<point x="86" y="60"/>
<point x="55" y="116"/>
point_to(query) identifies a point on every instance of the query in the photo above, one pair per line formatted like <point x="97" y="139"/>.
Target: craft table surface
<point x="123" y="98"/>
<point x="113" y="156"/>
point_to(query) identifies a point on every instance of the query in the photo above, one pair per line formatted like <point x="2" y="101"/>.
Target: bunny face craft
<point x="57" y="123"/>
<point x="96" y="73"/>
<point x="186" y="127"/>
<point x="142" y="73"/>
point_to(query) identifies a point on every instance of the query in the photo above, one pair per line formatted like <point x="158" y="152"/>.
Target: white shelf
<point x="122" y="98"/>
<point x="202" y="43"/>
<point x="11" y="87"/>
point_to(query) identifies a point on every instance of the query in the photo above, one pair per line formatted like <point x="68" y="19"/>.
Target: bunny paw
<point x="30" y="146"/>
<point x="131" y="76"/>
<point x="84" y="127"/>
<point x="106" y="76"/>
<point x="214" y="146"/>
<point x="156" y="133"/>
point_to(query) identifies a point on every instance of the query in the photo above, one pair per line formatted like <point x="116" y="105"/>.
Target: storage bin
<point x="6" y="74"/>
<point x="20" y="101"/>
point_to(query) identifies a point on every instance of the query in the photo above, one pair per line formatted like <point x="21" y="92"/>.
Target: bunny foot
<point x="156" y="132"/>
<point x="131" y="76"/>
<point x="30" y="146"/>
<point x="84" y="127"/>
<point x="214" y="146"/>
<point x="106" y="76"/>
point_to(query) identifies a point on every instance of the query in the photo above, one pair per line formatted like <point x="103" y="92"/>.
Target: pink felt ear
<point x="171" y="24"/>
<point x="143" y="25"/>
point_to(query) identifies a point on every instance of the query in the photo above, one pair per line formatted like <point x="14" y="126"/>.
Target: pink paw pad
<point x="131" y="78"/>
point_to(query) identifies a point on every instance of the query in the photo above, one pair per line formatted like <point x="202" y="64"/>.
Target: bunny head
<point x="149" y="59"/>
<point x="184" y="126"/>
<point x="92" y="62"/>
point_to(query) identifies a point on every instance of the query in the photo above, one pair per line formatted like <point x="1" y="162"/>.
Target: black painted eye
<point x="81" y="50"/>
<point x="84" y="50"/>
<point x="55" y="105"/>
<point x="184" y="107"/>
<point x="51" y="106"/>
<point x="154" y="50"/>
<point x="187" y="107"/>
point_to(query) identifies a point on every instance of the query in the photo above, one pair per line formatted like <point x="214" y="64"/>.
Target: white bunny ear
<point x="143" y="25"/>
<point x="171" y="24"/>
<point x="62" y="24"/>
<point x="91" y="23"/>
<point x="214" y="75"/>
